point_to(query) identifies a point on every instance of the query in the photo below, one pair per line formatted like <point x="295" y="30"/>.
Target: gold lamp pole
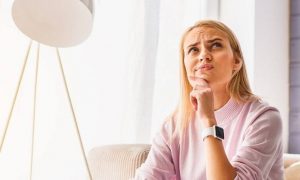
<point x="55" y="23"/>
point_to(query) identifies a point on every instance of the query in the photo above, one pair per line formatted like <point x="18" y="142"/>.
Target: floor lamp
<point x="56" y="23"/>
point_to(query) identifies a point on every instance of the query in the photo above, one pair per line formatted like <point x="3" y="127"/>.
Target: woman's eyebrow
<point x="194" y="44"/>
<point x="208" y="41"/>
<point x="213" y="40"/>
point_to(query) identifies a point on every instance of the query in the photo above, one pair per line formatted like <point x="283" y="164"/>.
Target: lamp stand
<point x="34" y="108"/>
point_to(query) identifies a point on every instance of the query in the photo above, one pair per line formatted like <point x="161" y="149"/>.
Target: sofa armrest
<point x="290" y="159"/>
<point x="292" y="166"/>
<point x="117" y="162"/>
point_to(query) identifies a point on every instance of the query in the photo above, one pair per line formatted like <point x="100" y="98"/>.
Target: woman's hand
<point x="202" y="100"/>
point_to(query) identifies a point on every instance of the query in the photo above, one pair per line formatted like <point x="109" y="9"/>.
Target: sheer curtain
<point x="123" y="80"/>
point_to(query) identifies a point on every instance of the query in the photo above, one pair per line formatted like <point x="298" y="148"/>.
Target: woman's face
<point x="208" y="55"/>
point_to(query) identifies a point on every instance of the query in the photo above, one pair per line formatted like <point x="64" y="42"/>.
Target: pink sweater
<point x="253" y="145"/>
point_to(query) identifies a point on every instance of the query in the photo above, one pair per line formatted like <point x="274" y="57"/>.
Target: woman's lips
<point x="205" y="67"/>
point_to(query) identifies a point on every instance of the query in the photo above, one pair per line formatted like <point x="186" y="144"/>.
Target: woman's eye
<point x="216" y="45"/>
<point x="193" y="50"/>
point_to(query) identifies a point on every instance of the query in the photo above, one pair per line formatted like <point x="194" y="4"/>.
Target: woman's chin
<point x="194" y="83"/>
<point x="205" y="77"/>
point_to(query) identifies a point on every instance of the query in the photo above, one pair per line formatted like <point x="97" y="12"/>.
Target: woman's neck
<point x="220" y="99"/>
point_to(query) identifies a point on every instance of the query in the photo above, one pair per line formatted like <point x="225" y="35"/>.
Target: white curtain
<point x="123" y="80"/>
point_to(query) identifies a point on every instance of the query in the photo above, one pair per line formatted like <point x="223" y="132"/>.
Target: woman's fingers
<point x="199" y="95"/>
<point x="194" y="102"/>
<point x="193" y="99"/>
<point x="201" y="84"/>
<point x="199" y="81"/>
<point x="201" y="98"/>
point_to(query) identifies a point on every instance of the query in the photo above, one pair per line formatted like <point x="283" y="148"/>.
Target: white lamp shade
<point x="59" y="23"/>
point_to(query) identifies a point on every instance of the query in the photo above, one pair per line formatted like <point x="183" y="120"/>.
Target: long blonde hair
<point x="238" y="86"/>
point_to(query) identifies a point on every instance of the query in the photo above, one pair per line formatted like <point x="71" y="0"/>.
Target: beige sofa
<point x="292" y="166"/>
<point x="119" y="162"/>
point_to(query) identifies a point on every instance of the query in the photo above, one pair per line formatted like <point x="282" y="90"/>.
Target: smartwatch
<point x="214" y="131"/>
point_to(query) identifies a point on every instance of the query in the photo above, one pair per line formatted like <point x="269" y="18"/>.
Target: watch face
<point x="219" y="132"/>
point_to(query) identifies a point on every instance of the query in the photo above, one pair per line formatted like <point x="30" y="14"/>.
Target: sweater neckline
<point x="227" y="112"/>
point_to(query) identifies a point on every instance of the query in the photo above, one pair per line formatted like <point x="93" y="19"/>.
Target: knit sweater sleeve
<point x="262" y="143"/>
<point x="159" y="163"/>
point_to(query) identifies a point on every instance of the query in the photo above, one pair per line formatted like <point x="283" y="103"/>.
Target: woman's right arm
<point x="159" y="163"/>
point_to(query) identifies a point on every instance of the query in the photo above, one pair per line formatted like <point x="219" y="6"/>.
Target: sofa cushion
<point x="290" y="159"/>
<point x="293" y="172"/>
<point x="117" y="162"/>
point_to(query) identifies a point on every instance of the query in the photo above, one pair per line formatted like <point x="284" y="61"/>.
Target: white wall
<point x="239" y="16"/>
<point x="263" y="29"/>
<point x="90" y="88"/>
<point x="95" y="73"/>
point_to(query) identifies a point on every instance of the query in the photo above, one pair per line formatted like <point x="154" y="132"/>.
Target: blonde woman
<point x="220" y="130"/>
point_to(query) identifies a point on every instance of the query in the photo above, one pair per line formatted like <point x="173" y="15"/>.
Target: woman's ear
<point x="237" y="65"/>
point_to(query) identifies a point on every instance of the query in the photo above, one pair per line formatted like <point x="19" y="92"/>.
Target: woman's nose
<point x="205" y="55"/>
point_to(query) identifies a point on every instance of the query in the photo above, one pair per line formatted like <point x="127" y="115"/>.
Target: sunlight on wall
<point x="90" y="80"/>
<point x="98" y="74"/>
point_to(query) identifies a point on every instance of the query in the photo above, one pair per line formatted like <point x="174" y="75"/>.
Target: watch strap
<point x="214" y="131"/>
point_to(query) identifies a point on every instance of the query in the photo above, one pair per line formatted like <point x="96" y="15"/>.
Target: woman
<point x="220" y="130"/>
